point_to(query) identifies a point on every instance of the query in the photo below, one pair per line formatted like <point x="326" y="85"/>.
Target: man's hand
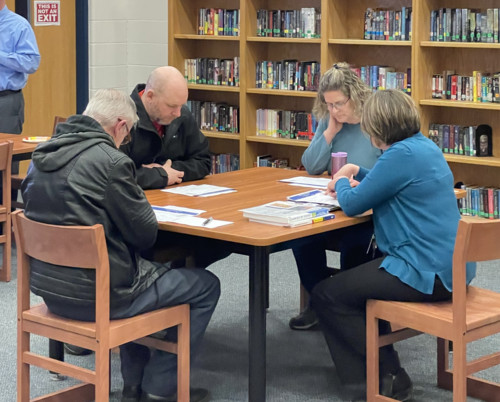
<point x="174" y="176"/>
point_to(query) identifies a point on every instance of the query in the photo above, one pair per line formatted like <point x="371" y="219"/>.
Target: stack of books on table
<point x="286" y="213"/>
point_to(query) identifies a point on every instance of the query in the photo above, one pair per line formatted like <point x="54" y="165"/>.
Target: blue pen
<point x="323" y="218"/>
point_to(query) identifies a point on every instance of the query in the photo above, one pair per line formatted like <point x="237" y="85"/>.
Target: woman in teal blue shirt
<point x="415" y="215"/>
<point x="338" y="105"/>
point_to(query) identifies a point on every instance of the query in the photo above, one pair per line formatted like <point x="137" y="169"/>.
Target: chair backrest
<point x="68" y="246"/>
<point x="57" y="120"/>
<point x="5" y="170"/>
<point x="477" y="240"/>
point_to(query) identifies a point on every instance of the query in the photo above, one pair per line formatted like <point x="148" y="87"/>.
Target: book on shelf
<point x="480" y="201"/>
<point x="285" y="213"/>
<point x="387" y="24"/>
<point x="464" y="25"/>
<point x="457" y="139"/>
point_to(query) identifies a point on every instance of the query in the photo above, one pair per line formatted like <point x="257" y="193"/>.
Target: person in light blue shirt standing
<point x="338" y="106"/>
<point x="19" y="56"/>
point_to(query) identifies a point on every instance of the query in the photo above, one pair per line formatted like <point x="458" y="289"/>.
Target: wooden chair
<point x="84" y="247"/>
<point x="474" y="313"/>
<point x="17" y="179"/>
<point x="5" y="206"/>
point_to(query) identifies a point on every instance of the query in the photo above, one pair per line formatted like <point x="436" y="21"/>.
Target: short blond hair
<point x="340" y="77"/>
<point x="390" y="116"/>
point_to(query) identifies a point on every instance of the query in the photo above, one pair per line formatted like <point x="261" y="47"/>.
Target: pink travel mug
<point x="339" y="159"/>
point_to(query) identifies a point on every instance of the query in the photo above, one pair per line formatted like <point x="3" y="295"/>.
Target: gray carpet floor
<point x="299" y="367"/>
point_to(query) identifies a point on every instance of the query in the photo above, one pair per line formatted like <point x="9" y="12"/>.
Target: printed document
<point x="315" y="197"/>
<point x="185" y="216"/>
<point x="306" y="181"/>
<point x="200" y="190"/>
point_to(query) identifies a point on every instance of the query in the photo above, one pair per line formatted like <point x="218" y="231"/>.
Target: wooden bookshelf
<point x="341" y="40"/>
<point x="430" y="58"/>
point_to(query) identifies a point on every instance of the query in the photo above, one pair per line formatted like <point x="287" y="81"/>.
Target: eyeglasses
<point x="128" y="137"/>
<point x="337" y="105"/>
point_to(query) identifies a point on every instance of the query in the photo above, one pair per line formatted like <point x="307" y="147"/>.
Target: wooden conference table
<point x="21" y="150"/>
<point x="254" y="187"/>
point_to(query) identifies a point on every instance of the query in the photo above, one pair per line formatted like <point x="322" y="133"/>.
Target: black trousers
<point x="352" y="243"/>
<point x="195" y="252"/>
<point x="340" y="302"/>
<point x="11" y="121"/>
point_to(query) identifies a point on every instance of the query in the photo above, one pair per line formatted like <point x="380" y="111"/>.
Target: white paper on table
<point x="185" y="216"/>
<point x="305" y="181"/>
<point x="316" y="197"/>
<point x="197" y="221"/>
<point x="199" y="190"/>
<point x="171" y="213"/>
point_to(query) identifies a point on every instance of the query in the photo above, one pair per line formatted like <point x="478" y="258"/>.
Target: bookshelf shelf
<point x="342" y="32"/>
<point x="282" y="40"/>
<point x="221" y="135"/>
<point x="363" y="42"/>
<point x="471" y="160"/>
<point x="460" y="104"/>
<point x="207" y="37"/>
<point x="279" y="141"/>
<point x="281" y="92"/>
<point x="461" y="45"/>
<point x="218" y="88"/>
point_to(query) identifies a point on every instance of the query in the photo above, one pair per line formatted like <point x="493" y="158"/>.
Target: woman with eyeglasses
<point x="338" y="106"/>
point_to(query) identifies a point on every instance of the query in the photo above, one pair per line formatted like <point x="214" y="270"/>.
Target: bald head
<point x="168" y="79"/>
<point x="165" y="93"/>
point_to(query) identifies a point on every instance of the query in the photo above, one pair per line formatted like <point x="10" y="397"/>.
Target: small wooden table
<point x="254" y="187"/>
<point x="21" y="150"/>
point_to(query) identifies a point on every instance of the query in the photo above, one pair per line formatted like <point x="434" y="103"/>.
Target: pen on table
<point x="323" y="218"/>
<point x="207" y="221"/>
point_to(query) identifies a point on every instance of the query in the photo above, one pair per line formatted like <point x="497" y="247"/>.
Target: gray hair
<point x="108" y="105"/>
<point x="341" y="78"/>
<point x="390" y="116"/>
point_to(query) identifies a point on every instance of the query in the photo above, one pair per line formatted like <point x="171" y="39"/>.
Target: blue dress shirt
<point x="19" y="55"/>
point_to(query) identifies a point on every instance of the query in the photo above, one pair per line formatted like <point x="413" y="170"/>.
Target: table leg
<point x="259" y="267"/>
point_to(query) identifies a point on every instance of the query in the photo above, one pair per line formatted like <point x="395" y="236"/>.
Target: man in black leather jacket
<point x="168" y="148"/>
<point x="79" y="177"/>
<point x="167" y="145"/>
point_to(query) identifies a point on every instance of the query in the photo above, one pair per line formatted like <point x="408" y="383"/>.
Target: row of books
<point x="222" y="163"/>
<point x="218" y="21"/>
<point x="267" y="160"/>
<point x="290" y="75"/>
<point x="464" y="25"/>
<point x="480" y="201"/>
<point x="480" y="87"/>
<point x="388" y="24"/>
<point x="302" y="23"/>
<point x="212" y="71"/>
<point x="384" y="77"/>
<point x="213" y="116"/>
<point x="454" y="139"/>
<point x="285" y="124"/>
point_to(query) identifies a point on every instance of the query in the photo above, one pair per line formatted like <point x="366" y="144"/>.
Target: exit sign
<point x="47" y="12"/>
